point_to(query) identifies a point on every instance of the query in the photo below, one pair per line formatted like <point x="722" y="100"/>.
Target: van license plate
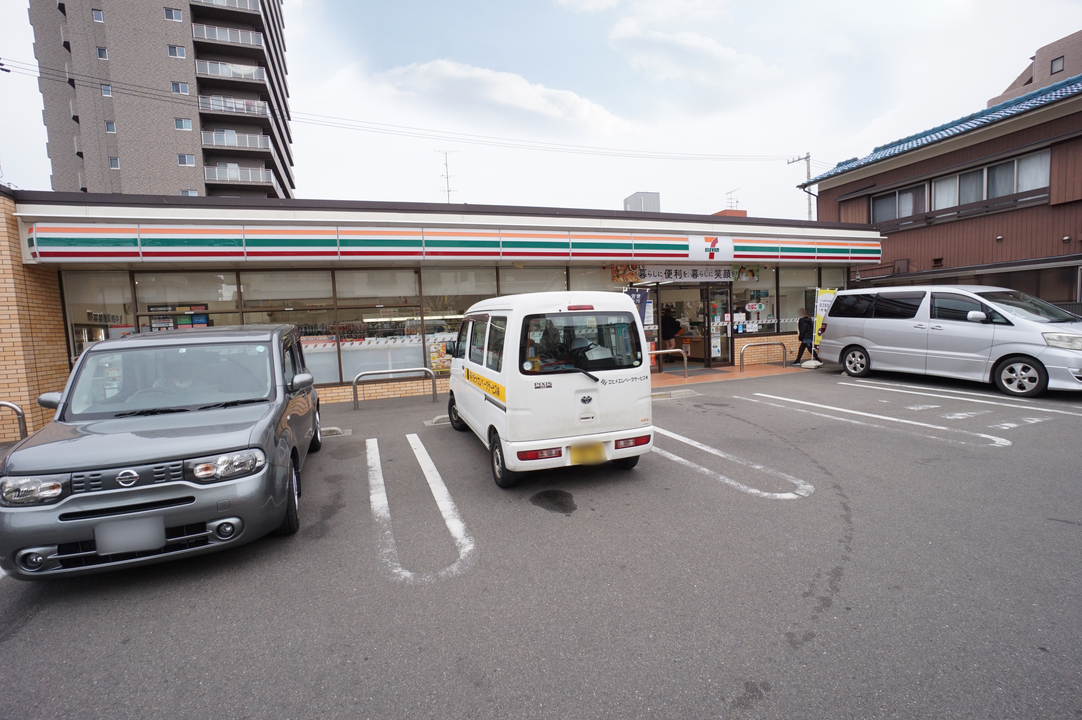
<point x="591" y="454"/>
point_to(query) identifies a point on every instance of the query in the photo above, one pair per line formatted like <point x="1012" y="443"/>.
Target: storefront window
<point x="99" y="307"/>
<point x="380" y="339"/>
<point x="754" y="285"/>
<point x="833" y="277"/>
<point x="594" y="278"/>
<point x="449" y="292"/>
<point x="190" y="320"/>
<point x="526" y="280"/>
<point x="290" y="289"/>
<point x="318" y="338"/>
<point x="169" y="292"/>
<point x="796" y="291"/>
<point x="376" y="287"/>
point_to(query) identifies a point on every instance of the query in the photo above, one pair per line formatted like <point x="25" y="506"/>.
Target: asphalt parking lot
<point x="804" y="545"/>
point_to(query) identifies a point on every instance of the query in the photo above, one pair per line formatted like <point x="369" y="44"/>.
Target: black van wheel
<point x="856" y="361"/>
<point x="504" y="478"/>
<point x="452" y="414"/>
<point x="625" y="463"/>
<point x="1021" y="376"/>
<point x="317" y="437"/>
<point x="291" y="522"/>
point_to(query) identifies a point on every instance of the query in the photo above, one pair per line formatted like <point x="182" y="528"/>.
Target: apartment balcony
<point x="230" y="70"/>
<point x="242" y="176"/>
<point x="236" y="140"/>
<point x="221" y="105"/>
<point x="249" y="5"/>
<point x="233" y="36"/>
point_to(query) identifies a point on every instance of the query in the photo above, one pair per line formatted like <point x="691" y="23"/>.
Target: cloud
<point x="479" y="90"/>
<point x="588" y="6"/>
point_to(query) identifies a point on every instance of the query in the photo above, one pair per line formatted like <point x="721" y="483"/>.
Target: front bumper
<point x="63" y="535"/>
<point x="1064" y="368"/>
<point x="606" y="440"/>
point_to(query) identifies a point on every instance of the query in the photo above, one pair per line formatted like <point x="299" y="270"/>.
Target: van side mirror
<point x="49" y="400"/>
<point x="976" y="316"/>
<point x="452" y="348"/>
<point x="301" y="381"/>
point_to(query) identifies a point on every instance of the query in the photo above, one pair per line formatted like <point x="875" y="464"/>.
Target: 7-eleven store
<point x="379" y="286"/>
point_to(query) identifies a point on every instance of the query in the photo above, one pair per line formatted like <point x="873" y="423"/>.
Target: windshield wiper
<point x="234" y="403"/>
<point x="152" y="411"/>
<point x="589" y="375"/>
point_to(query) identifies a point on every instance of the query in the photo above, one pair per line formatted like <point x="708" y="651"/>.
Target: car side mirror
<point x="976" y="316"/>
<point x="49" y="400"/>
<point x="452" y="347"/>
<point x="301" y="381"/>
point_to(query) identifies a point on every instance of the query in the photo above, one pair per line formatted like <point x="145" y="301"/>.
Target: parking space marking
<point x="921" y="407"/>
<point x="965" y="415"/>
<point x="381" y="513"/>
<point x="803" y="488"/>
<point x="1020" y="423"/>
<point x="996" y="441"/>
<point x="869" y="386"/>
<point x="864" y="381"/>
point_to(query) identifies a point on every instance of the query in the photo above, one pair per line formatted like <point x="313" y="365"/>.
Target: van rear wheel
<point x="1021" y="376"/>
<point x="625" y="463"/>
<point x="856" y="362"/>
<point x="504" y="478"/>
<point x="452" y="414"/>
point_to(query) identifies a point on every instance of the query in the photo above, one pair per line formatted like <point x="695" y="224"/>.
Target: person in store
<point x="670" y="326"/>
<point x="805" y="333"/>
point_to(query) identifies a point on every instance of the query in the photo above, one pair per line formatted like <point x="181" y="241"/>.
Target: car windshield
<point x="151" y="381"/>
<point x="591" y="341"/>
<point x="1028" y="307"/>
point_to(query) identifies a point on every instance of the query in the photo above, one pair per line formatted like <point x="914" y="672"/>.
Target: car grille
<point x="85" y="482"/>
<point x="95" y="480"/>
<point x="170" y="472"/>
<point x="84" y="554"/>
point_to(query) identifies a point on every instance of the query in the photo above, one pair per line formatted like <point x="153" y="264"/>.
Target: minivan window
<point x="477" y="342"/>
<point x="852" y="306"/>
<point x="497" y="331"/>
<point x="1028" y="307"/>
<point x="562" y="342"/>
<point x="460" y="346"/>
<point x="953" y="307"/>
<point x="897" y="306"/>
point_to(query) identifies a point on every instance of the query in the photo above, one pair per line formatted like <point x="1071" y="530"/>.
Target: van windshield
<point x="565" y="342"/>
<point x="1028" y="307"/>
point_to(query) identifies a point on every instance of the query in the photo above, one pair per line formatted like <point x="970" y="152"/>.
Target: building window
<point x="189" y="193"/>
<point x="1057" y="65"/>
<point x="180" y="88"/>
<point x="899" y="204"/>
<point x="182" y="123"/>
<point x="98" y="15"/>
<point x="186" y="160"/>
<point x="103" y="54"/>
<point x="114" y="163"/>
<point x="176" y="51"/>
<point x="173" y="14"/>
<point x="107" y="90"/>
<point x="1030" y="172"/>
<point x="110" y="127"/>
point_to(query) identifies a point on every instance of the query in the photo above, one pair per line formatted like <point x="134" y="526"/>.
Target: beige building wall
<point x="33" y="347"/>
<point x="1039" y="73"/>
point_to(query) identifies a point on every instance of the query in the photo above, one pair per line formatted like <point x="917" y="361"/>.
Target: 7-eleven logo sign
<point x="711" y="246"/>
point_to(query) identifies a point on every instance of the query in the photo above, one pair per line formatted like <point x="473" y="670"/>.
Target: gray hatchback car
<point x="164" y="445"/>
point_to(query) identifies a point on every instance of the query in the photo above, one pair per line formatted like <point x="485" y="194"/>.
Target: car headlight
<point x="1067" y="341"/>
<point x="226" y="466"/>
<point x="32" y="489"/>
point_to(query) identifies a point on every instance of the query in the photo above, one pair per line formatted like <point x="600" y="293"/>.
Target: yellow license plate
<point x="591" y="454"/>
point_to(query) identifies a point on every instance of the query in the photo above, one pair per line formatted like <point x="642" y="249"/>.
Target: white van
<point x="553" y="379"/>
<point x="972" y="332"/>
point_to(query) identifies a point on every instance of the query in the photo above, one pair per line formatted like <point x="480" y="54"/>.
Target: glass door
<point x="719" y="306"/>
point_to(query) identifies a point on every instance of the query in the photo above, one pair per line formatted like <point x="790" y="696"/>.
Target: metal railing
<point x="683" y="355"/>
<point x="237" y="174"/>
<point x="230" y="70"/>
<point x="219" y="103"/>
<point x="784" y="352"/>
<point x="18" y="414"/>
<point x="229" y="35"/>
<point x="237" y="140"/>
<point x="252" y="5"/>
<point x="425" y="370"/>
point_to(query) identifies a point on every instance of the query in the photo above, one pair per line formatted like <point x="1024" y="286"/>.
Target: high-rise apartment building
<point x="181" y="97"/>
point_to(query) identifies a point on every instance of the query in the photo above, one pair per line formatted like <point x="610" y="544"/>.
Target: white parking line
<point x="925" y="387"/>
<point x="803" y="488"/>
<point x="868" y="386"/>
<point x="381" y="513"/>
<point x="996" y="441"/>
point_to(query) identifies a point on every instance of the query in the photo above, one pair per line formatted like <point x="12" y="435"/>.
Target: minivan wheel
<point x="1021" y="376"/>
<point x="856" y="362"/>
<point x="452" y="414"/>
<point x="504" y="478"/>
<point x="292" y="521"/>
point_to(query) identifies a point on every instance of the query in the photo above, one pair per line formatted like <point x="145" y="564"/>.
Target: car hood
<point x="63" y="447"/>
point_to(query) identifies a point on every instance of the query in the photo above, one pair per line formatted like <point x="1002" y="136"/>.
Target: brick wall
<point x="33" y="348"/>
<point x="378" y="391"/>
<point x="768" y="353"/>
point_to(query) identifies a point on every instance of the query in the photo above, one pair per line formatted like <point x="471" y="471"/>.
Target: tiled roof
<point x="1011" y="108"/>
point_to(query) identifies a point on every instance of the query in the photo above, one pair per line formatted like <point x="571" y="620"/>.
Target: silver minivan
<point x="972" y="332"/>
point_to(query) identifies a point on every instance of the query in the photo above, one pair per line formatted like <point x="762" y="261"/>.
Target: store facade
<point x="381" y="286"/>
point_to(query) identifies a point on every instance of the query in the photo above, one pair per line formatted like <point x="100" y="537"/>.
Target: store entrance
<point x="703" y="313"/>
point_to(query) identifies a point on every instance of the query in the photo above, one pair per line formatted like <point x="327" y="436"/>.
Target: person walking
<point x="670" y="326"/>
<point x="805" y="333"/>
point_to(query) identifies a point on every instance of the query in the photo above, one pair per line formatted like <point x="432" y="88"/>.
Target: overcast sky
<point x="771" y="80"/>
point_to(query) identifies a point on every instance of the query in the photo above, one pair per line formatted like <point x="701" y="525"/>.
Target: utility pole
<point x="806" y="159"/>
<point x="447" y="172"/>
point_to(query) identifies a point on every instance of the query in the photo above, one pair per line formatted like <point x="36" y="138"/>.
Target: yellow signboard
<point x="823" y="300"/>
<point x="492" y="388"/>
